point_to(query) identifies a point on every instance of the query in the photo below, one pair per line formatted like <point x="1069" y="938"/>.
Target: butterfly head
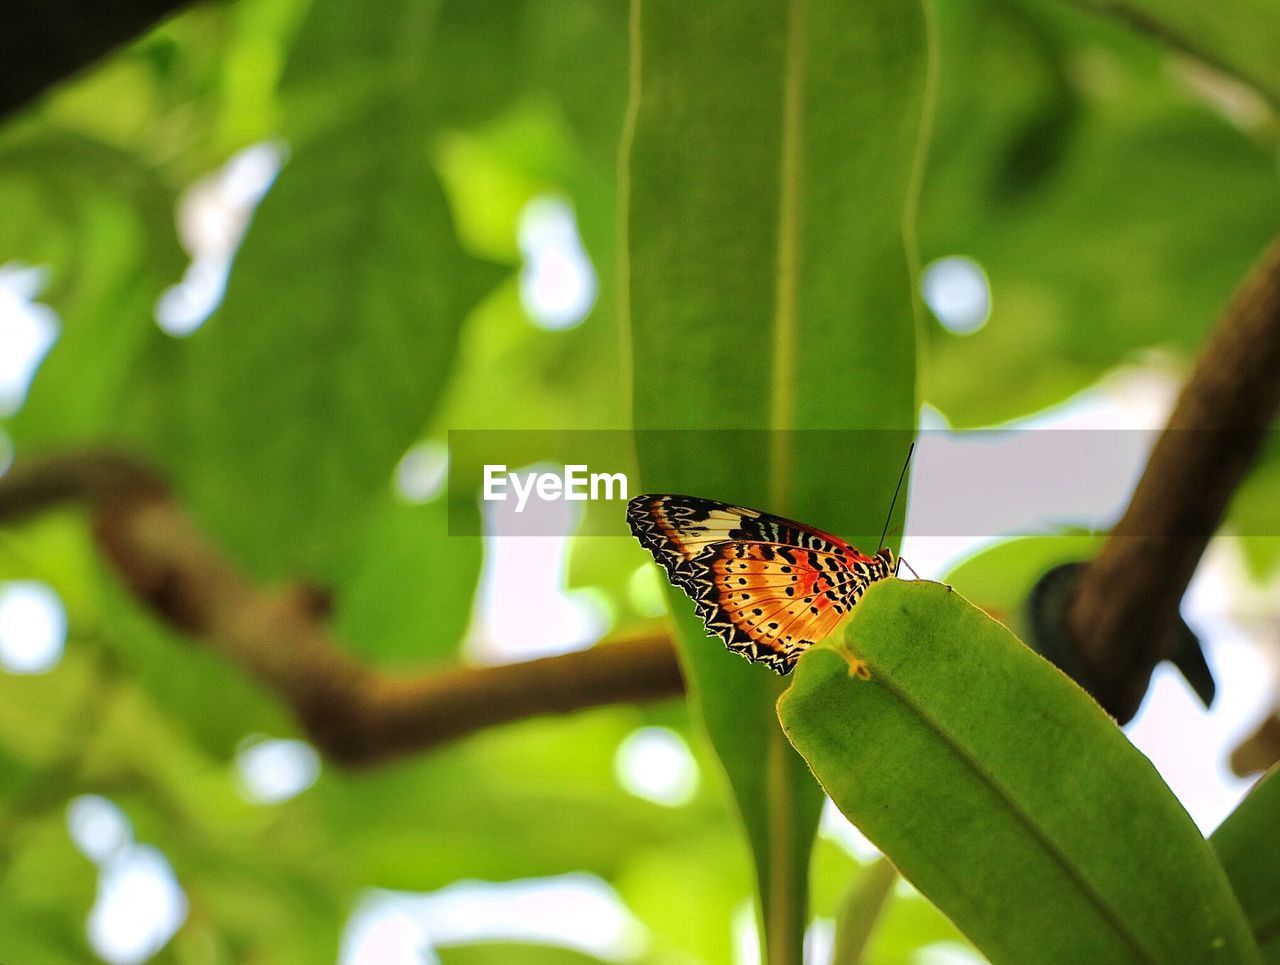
<point x="890" y="562"/>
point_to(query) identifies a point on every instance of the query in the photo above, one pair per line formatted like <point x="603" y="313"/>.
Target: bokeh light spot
<point x="272" y="771"/>
<point x="946" y="953"/>
<point x="834" y="826"/>
<point x="820" y="941"/>
<point x="380" y="934"/>
<point x="957" y="292"/>
<point x="524" y="608"/>
<point x="422" y="472"/>
<point x="557" y="282"/>
<point x="576" y="911"/>
<point x="98" y="827"/>
<point x="212" y="217"/>
<point x="746" y="935"/>
<point x="140" y="906"/>
<point x="28" y="330"/>
<point x="655" y="763"/>
<point x="33" y="627"/>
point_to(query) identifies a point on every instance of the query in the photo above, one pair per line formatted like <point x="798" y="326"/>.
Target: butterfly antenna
<point x="901" y="476"/>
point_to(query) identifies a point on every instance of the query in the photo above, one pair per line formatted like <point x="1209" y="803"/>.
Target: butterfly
<point x="769" y="587"/>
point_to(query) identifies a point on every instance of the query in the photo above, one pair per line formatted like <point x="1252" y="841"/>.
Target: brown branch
<point x="1260" y="750"/>
<point x="356" y="714"/>
<point x="1124" y="613"/>
<point x="43" y="44"/>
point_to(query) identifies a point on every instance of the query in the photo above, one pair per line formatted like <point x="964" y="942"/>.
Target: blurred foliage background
<point x="428" y="201"/>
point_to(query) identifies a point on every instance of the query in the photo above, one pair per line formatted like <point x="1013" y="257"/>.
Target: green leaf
<point x="407" y="591"/>
<point x="1051" y="122"/>
<point x="548" y="783"/>
<point x="46" y="889"/>
<point x="1236" y="36"/>
<point x="101" y="220"/>
<point x="340" y="324"/>
<point x="765" y="283"/>
<point x="1004" y="793"/>
<point x="1000" y="577"/>
<point x="708" y="871"/>
<point x="578" y="51"/>
<point x="1254" y="513"/>
<point x="905" y="923"/>
<point x="909" y="923"/>
<point x="860" y="911"/>
<point x="517" y="953"/>
<point x="1249" y="849"/>
<point x="213" y="701"/>
<point x="264" y="879"/>
<point x="37" y="711"/>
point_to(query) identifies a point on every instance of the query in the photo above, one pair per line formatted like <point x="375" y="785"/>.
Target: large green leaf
<point x="408" y="591"/>
<point x="340" y="323"/>
<point x="1049" y="123"/>
<point x="1249" y="849"/>
<point x="768" y="187"/>
<point x="1004" y="793"/>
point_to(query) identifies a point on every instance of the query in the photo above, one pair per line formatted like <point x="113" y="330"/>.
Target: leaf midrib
<point x="1091" y="892"/>
<point x="786" y="290"/>
<point x="781" y="913"/>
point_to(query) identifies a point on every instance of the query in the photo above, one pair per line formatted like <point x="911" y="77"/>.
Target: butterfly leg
<point x="902" y="562"/>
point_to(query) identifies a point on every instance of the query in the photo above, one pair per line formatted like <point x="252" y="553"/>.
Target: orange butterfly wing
<point x="769" y="587"/>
